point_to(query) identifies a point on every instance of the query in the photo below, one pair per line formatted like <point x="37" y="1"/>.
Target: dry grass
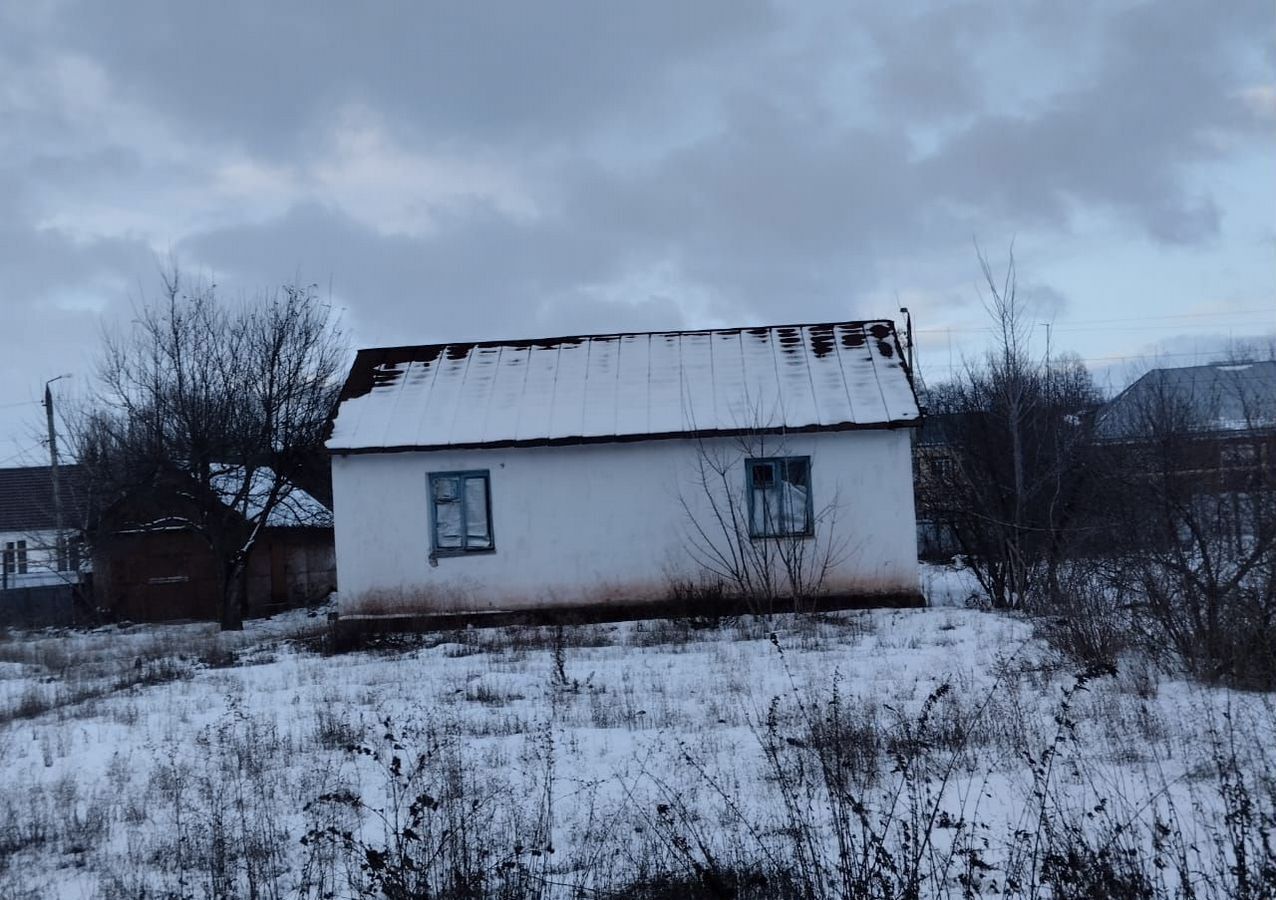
<point x="651" y="759"/>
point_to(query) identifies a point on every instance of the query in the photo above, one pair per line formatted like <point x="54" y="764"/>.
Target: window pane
<point x="797" y="471"/>
<point x="795" y="489"/>
<point x="792" y="514"/>
<point x="446" y="489"/>
<point x="448" y="527"/>
<point x="477" y="533"/>
<point x="765" y="498"/>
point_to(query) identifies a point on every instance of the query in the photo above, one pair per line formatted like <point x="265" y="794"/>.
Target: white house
<point x="626" y="469"/>
<point x="31" y="555"/>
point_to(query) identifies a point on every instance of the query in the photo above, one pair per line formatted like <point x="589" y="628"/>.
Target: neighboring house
<point x="626" y="469"/>
<point x="40" y="574"/>
<point x="31" y="554"/>
<point x="936" y="464"/>
<point x="1222" y="418"/>
<point x="150" y="564"/>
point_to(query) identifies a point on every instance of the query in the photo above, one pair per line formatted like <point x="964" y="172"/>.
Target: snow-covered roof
<point x="626" y="387"/>
<point x="294" y="508"/>
<point x="1223" y="397"/>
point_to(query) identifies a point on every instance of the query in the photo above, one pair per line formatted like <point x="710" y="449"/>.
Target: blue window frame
<point x="460" y="513"/>
<point x="779" y="492"/>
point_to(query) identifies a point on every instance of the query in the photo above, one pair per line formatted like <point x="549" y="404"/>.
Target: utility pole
<point x="59" y="541"/>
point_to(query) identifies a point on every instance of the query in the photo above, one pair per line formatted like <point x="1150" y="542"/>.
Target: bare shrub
<point x="1089" y="619"/>
<point x="781" y="572"/>
<point x="1194" y="538"/>
<point x="440" y="831"/>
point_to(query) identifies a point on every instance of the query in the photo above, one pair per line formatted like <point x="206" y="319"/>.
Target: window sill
<point x="800" y="535"/>
<point x="449" y="554"/>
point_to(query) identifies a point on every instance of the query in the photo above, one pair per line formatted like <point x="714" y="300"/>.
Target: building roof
<point x="168" y="501"/>
<point x="1223" y="397"/>
<point x="294" y="508"/>
<point x="26" y="498"/>
<point x="614" y="387"/>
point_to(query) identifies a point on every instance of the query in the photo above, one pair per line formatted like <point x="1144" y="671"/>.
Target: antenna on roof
<point x="908" y="336"/>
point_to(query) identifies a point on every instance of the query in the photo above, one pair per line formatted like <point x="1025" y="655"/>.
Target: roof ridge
<point x="505" y="342"/>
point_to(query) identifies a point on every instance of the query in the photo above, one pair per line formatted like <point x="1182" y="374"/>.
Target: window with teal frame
<point x="461" y="513"/>
<point x="779" y="497"/>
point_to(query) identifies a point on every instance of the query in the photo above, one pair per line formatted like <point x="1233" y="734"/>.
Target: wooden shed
<point x="151" y="566"/>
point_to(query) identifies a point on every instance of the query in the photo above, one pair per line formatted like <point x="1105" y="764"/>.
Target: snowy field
<point x="947" y="750"/>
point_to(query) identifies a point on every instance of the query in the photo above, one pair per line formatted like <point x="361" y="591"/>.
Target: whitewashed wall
<point x="42" y="561"/>
<point x="603" y="522"/>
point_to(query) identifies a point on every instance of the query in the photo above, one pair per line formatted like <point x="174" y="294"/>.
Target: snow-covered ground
<point x="175" y="761"/>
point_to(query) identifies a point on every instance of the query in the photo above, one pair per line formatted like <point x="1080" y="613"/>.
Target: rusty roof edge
<point x="395" y="351"/>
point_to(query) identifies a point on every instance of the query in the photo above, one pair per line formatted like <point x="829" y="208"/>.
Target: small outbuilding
<point x="150" y="564"/>
<point x="760" y="466"/>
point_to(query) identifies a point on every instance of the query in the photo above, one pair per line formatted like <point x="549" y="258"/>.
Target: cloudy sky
<point x="481" y="170"/>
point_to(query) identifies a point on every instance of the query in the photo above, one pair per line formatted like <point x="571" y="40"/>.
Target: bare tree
<point x="1004" y="470"/>
<point x="224" y="404"/>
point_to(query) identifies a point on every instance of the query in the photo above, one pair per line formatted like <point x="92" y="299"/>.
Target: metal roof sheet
<point x="632" y="386"/>
<point x="26" y="498"/>
<point x="1219" y="397"/>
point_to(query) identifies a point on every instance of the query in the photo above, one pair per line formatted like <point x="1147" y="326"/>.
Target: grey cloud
<point x="268" y="75"/>
<point x="39" y="265"/>
<point x="1044" y="301"/>
<point x="926" y="62"/>
<point x="722" y="160"/>
<point x="481" y="273"/>
<point x="779" y="213"/>
<point x="55" y="294"/>
<point x="1161" y="97"/>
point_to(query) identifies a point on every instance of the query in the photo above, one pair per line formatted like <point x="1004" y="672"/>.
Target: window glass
<point x="764" y="499"/>
<point x="477" y="533"/>
<point x="448" y="514"/>
<point x="794" y="488"/>
<point x="779" y="496"/>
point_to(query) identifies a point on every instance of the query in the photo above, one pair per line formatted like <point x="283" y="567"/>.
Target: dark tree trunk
<point x="234" y="597"/>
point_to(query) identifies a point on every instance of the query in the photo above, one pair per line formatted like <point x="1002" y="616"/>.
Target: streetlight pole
<point x="59" y="541"/>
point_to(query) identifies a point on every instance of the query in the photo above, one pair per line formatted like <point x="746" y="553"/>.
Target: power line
<point x="1197" y="315"/>
<point x="1258" y="326"/>
<point x="1074" y="324"/>
<point x="1067" y="328"/>
<point x="19" y="454"/>
<point x="1140" y="356"/>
